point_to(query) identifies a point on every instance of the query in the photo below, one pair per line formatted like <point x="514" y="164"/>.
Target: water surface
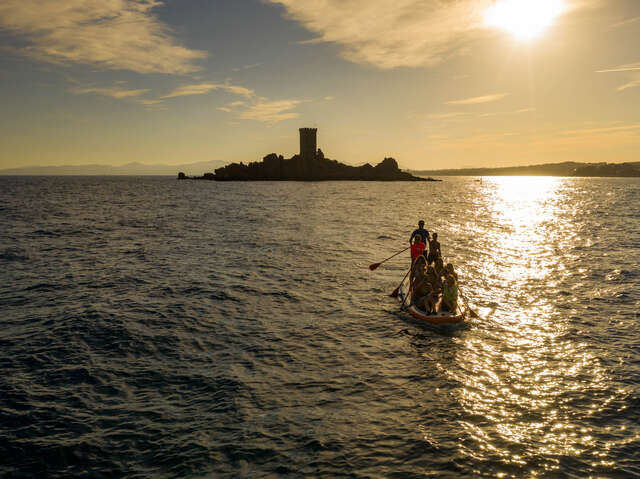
<point x="156" y="328"/>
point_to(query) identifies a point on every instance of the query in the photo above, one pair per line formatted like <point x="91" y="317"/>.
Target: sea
<point x="155" y="328"/>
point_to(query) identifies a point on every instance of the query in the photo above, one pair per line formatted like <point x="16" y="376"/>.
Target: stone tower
<point x="308" y="142"/>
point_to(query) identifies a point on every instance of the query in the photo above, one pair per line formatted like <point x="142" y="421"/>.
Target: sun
<point x="524" y="19"/>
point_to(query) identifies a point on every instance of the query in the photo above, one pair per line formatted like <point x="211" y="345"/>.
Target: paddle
<point x="397" y="290"/>
<point x="375" y="265"/>
<point x="404" y="300"/>
<point x="472" y="313"/>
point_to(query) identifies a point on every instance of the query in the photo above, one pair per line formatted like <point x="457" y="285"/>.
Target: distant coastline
<point x="568" y="168"/>
<point x="129" y="169"/>
<point x="199" y="170"/>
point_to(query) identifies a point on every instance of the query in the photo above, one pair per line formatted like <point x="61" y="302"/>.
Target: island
<point x="309" y="165"/>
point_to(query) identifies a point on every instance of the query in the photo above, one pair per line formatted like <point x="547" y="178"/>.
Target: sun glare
<point x="524" y="19"/>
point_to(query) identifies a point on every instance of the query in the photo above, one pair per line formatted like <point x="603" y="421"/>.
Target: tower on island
<point x="308" y="142"/>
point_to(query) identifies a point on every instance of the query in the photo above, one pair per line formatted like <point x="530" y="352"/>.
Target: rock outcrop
<point x="309" y="165"/>
<point x="275" y="167"/>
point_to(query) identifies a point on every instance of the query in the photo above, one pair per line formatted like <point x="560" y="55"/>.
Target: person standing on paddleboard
<point x="424" y="234"/>
<point x="434" y="249"/>
<point x="417" y="248"/>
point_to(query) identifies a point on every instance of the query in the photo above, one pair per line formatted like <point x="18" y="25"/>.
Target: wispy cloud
<point x="403" y="33"/>
<point x="503" y="113"/>
<point x="624" y="23"/>
<point x="112" y="92"/>
<point x="247" y="67"/>
<point x="110" y="34"/>
<point x="631" y="71"/>
<point x="478" y="99"/>
<point x="263" y="110"/>
<point x="622" y="68"/>
<point x="566" y="144"/>
<point x="391" y="34"/>
<point x="149" y="102"/>
<point x="601" y="130"/>
<point x="466" y="115"/>
<point x="631" y="84"/>
<point x="446" y="116"/>
<point x="202" y="88"/>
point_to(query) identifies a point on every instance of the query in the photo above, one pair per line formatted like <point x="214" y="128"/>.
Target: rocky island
<point x="309" y="165"/>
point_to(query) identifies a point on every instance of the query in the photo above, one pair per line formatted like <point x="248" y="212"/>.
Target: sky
<point x="433" y="83"/>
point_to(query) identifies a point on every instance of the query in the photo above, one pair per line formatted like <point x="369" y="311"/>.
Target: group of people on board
<point x="433" y="285"/>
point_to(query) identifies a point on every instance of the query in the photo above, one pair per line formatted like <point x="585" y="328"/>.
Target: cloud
<point x="622" y="68"/>
<point x="502" y="113"/>
<point x="478" y="99"/>
<point x="631" y="84"/>
<point x="601" y="130"/>
<point x="263" y="110"/>
<point x="402" y="33"/>
<point x="446" y="116"/>
<point x="202" y="88"/>
<point x="632" y="71"/>
<point x="247" y="67"/>
<point x="465" y="115"/>
<point x="149" y="102"/>
<point x="573" y="143"/>
<point x="624" y="23"/>
<point x="110" y="34"/>
<point x="112" y="92"/>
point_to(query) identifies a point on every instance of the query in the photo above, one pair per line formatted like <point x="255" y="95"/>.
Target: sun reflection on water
<point x="522" y="376"/>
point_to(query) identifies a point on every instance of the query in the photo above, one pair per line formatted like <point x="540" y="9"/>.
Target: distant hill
<point x="569" y="168"/>
<point x="198" y="168"/>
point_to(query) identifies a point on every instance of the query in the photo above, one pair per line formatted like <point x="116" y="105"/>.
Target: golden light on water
<point x="524" y="373"/>
<point x="524" y="208"/>
<point x="524" y="200"/>
<point x="524" y="19"/>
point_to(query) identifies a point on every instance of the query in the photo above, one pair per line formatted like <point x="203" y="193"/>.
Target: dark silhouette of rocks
<point x="206" y="176"/>
<point x="274" y="167"/>
<point x="309" y="165"/>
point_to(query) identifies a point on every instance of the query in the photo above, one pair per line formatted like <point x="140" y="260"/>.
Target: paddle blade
<point x="470" y="311"/>
<point x="395" y="292"/>
<point x="374" y="266"/>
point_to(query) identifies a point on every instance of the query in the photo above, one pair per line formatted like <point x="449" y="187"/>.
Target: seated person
<point x="424" y="299"/>
<point x="415" y="266"/>
<point x="434" y="249"/>
<point x="448" y="269"/>
<point x="449" y="295"/>
<point x="439" y="267"/>
<point x="417" y="269"/>
<point x="434" y="280"/>
<point x="421" y="290"/>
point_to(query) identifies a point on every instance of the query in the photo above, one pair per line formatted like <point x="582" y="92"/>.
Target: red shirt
<point x="417" y="249"/>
